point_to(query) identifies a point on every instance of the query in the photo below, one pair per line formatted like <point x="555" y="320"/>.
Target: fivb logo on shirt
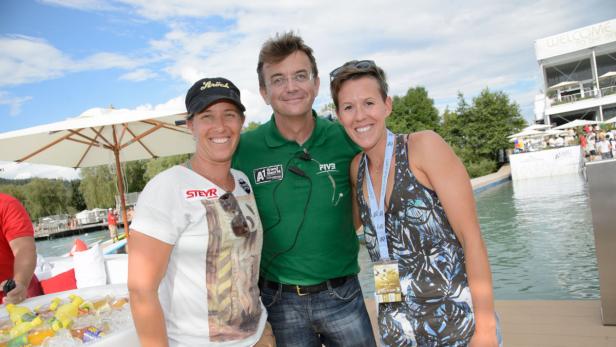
<point x="200" y="194"/>
<point x="268" y="174"/>
<point x="327" y="167"/>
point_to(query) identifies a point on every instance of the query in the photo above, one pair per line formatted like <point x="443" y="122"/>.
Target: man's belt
<point x="304" y="290"/>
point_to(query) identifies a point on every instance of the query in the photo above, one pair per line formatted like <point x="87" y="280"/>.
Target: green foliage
<point x="77" y="201"/>
<point x="154" y="166"/>
<point x="413" y="112"/>
<point x="134" y="174"/>
<point x="251" y="126"/>
<point x="15" y="190"/>
<point x="477" y="132"/>
<point x="480" y="168"/>
<point x="42" y="197"/>
<point x="98" y="186"/>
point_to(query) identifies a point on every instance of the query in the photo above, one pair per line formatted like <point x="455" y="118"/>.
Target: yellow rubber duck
<point x="19" y="314"/>
<point x="24" y="327"/>
<point x="64" y="314"/>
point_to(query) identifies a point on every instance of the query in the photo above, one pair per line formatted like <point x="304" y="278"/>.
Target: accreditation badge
<point x="387" y="281"/>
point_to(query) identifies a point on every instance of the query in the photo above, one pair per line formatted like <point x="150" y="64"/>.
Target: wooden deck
<point x="562" y="323"/>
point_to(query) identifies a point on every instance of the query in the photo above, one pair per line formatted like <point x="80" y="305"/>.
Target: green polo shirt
<point x="307" y="220"/>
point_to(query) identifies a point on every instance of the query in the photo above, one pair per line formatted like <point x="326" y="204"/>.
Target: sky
<point x="59" y="59"/>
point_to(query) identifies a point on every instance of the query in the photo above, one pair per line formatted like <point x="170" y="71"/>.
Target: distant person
<point x="298" y="164"/>
<point x="604" y="147"/>
<point x="112" y="224"/>
<point x="129" y="214"/>
<point x="17" y="252"/>
<point x="612" y="140"/>
<point x="195" y="241"/>
<point x="591" y="146"/>
<point x="414" y="199"/>
<point x="559" y="141"/>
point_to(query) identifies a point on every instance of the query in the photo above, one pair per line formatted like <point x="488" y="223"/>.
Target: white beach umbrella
<point x="102" y="137"/>
<point x="554" y="132"/>
<point x="526" y="133"/>
<point x="564" y="85"/>
<point x="576" y="123"/>
<point x="608" y="75"/>
<point x="537" y="127"/>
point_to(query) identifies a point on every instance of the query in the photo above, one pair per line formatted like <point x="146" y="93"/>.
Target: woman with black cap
<point x="196" y="237"/>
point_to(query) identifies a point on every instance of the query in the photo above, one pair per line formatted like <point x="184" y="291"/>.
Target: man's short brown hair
<point x="278" y="48"/>
<point x="350" y="71"/>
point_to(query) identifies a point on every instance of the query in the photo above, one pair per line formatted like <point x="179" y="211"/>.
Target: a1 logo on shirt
<point x="268" y="174"/>
<point x="200" y="194"/>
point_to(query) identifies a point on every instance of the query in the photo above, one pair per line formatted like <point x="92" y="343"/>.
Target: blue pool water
<point x="539" y="238"/>
<point x="538" y="234"/>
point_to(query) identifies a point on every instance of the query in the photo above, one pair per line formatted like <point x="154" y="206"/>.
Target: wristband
<point x="8" y="286"/>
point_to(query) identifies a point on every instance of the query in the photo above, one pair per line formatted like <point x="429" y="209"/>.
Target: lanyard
<point x="377" y="210"/>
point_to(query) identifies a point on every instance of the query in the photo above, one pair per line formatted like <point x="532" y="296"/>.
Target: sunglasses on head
<point x="239" y="225"/>
<point x="358" y="64"/>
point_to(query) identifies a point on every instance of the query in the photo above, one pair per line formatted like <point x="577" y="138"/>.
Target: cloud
<point x="442" y="45"/>
<point x="139" y="75"/>
<point x="27" y="59"/>
<point x="13" y="102"/>
<point x="84" y="5"/>
<point x="12" y="170"/>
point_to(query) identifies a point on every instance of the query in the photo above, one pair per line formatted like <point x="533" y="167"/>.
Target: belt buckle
<point x="299" y="292"/>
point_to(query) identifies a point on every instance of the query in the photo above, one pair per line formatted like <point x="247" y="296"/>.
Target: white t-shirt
<point x="209" y="294"/>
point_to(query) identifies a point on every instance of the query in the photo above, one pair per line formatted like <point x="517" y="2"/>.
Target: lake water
<point x="60" y="246"/>
<point x="539" y="238"/>
<point x="538" y="234"/>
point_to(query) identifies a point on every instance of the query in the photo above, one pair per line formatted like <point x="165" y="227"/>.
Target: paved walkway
<point x="555" y="323"/>
<point x="484" y="182"/>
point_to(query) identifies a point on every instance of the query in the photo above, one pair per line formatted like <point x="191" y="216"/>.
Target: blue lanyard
<point x="378" y="210"/>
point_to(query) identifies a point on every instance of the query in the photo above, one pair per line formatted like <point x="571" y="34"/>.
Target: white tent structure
<point x="611" y="120"/>
<point x="537" y="127"/>
<point x="554" y="132"/>
<point x="526" y="133"/>
<point x="576" y="123"/>
<point x="608" y="75"/>
<point x="101" y="137"/>
<point x="564" y="84"/>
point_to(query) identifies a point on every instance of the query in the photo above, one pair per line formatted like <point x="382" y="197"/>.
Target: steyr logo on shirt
<point x="200" y="194"/>
<point x="268" y="174"/>
<point x="327" y="167"/>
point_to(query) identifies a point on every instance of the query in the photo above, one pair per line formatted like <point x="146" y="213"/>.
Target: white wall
<point x="551" y="162"/>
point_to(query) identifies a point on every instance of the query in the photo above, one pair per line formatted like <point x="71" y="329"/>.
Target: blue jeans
<point x="333" y="317"/>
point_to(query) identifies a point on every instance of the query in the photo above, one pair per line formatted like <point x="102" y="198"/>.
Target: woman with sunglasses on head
<point x="414" y="199"/>
<point x="196" y="237"/>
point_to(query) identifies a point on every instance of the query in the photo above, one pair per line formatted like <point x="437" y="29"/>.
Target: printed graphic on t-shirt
<point x="268" y="174"/>
<point x="232" y="268"/>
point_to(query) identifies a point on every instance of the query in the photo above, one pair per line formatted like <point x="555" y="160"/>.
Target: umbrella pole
<point x="116" y="154"/>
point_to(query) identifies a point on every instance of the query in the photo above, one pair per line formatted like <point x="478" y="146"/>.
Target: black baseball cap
<point x="207" y="91"/>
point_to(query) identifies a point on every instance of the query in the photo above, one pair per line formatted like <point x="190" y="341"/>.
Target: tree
<point x="489" y="121"/>
<point x="154" y="166"/>
<point x="77" y="200"/>
<point x="134" y="172"/>
<point x="477" y="132"/>
<point x="98" y="187"/>
<point x="251" y="126"/>
<point x="413" y="112"/>
<point x="47" y="197"/>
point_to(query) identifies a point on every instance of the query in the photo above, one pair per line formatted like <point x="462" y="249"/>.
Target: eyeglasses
<point x="239" y="225"/>
<point x="280" y="81"/>
<point x="358" y="64"/>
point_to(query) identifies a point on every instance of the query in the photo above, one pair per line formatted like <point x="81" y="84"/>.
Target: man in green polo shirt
<point x="298" y="165"/>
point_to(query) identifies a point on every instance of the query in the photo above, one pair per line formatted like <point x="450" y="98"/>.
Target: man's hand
<point x="15" y="296"/>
